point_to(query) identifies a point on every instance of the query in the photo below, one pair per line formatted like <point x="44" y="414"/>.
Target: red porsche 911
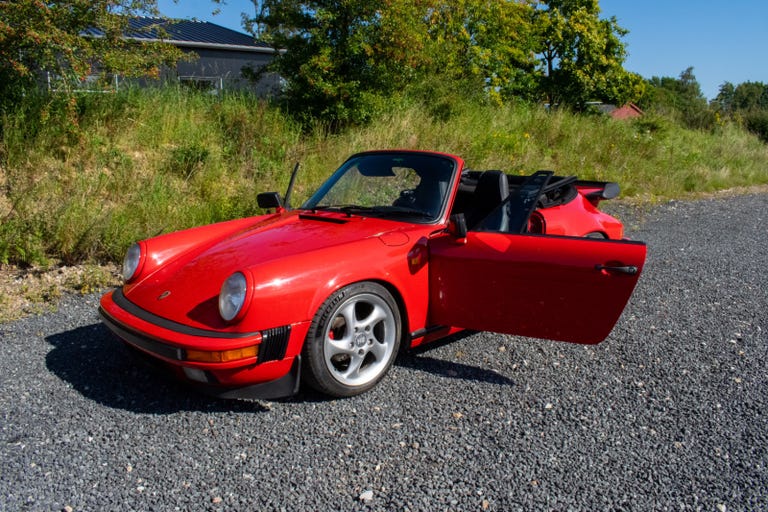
<point x="396" y="249"/>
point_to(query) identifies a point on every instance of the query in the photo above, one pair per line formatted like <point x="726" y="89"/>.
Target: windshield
<point x="413" y="186"/>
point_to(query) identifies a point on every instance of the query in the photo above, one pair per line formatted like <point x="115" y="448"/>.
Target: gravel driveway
<point x="669" y="413"/>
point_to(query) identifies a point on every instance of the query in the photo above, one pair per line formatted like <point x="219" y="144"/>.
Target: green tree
<point x="341" y="58"/>
<point x="750" y="96"/>
<point x="747" y="103"/>
<point x="745" y="97"/>
<point x="53" y="36"/>
<point x="327" y="57"/>
<point x="490" y="43"/>
<point x="724" y="100"/>
<point x="583" y="55"/>
<point x="675" y="94"/>
<point x="680" y="98"/>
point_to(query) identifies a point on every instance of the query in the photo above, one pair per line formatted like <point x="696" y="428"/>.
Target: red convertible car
<point x="396" y="249"/>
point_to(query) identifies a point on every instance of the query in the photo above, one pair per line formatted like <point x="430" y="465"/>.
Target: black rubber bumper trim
<point x="141" y="341"/>
<point x="120" y="299"/>
<point x="285" y="386"/>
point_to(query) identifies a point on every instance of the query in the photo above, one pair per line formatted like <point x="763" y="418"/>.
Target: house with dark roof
<point x="222" y="54"/>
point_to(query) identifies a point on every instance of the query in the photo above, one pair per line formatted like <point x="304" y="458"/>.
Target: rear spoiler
<point x="562" y="189"/>
<point x="596" y="191"/>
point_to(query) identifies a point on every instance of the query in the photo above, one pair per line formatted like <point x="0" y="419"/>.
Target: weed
<point x="185" y="160"/>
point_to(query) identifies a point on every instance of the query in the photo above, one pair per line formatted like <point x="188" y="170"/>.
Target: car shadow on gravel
<point x="97" y="365"/>
<point x="100" y="368"/>
<point x="453" y="370"/>
<point x="415" y="359"/>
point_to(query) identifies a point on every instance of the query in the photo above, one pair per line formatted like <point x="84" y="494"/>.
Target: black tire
<point x="596" y="235"/>
<point x="345" y="360"/>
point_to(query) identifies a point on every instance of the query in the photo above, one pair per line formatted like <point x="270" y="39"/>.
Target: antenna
<point x="290" y="187"/>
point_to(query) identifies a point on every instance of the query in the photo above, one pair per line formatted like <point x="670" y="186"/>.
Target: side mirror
<point x="457" y="226"/>
<point x="269" y="200"/>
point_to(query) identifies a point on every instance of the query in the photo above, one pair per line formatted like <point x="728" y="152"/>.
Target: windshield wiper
<point x="348" y="209"/>
<point x="379" y="211"/>
<point x="402" y="211"/>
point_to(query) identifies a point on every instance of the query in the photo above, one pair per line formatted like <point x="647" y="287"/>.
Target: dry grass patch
<point x="37" y="290"/>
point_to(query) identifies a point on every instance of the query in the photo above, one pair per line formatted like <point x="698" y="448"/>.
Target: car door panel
<point x="552" y="287"/>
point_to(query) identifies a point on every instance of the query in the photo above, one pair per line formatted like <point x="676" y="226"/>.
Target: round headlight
<point x="232" y="296"/>
<point x="131" y="262"/>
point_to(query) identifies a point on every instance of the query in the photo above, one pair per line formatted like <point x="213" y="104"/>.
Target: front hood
<point x="186" y="289"/>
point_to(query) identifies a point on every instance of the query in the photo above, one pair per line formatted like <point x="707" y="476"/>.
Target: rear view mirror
<point x="269" y="200"/>
<point x="376" y="167"/>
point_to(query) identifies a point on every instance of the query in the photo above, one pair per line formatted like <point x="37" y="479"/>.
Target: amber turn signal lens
<point x="222" y="356"/>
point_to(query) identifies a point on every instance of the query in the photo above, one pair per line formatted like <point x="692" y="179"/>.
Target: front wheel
<point x="352" y="341"/>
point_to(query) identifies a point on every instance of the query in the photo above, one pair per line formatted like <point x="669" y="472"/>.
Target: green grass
<point x="143" y="162"/>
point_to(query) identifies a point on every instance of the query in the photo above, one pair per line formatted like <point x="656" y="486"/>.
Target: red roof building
<point x="628" y="111"/>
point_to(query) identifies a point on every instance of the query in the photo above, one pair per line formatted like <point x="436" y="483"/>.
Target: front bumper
<point x="273" y="372"/>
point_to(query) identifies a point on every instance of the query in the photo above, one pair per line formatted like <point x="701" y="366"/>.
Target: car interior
<point x="482" y="192"/>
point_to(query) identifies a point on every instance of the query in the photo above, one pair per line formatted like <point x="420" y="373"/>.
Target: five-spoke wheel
<point x="353" y="340"/>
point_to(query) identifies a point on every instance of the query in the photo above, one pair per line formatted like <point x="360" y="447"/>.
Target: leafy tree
<point x="724" y="100"/>
<point x="491" y="43"/>
<point x="326" y="56"/>
<point x="750" y="96"/>
<point x="53" y="36"/>
<point x="680" y="98"/>
<point x="674" y="93"/>
<point x="745" y="97"/>
<point x="342" y="57"/>
<point x="747" y="103"/>
<point x="583" y="55"/>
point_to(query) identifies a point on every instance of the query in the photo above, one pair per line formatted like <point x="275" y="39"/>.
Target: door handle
<point x="625" y="269"/>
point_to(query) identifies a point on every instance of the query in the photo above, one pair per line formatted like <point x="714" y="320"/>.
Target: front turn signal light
<point x="222" y="356"/>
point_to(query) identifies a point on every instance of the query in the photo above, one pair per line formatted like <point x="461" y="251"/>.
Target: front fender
<point x="293" y="288"/>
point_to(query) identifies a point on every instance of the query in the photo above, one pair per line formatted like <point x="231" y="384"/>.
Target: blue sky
<point x="722" y="41"/>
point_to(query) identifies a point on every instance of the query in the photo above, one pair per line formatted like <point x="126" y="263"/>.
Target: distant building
<point x="628" y="111"/>
<point x="222" y="54"/>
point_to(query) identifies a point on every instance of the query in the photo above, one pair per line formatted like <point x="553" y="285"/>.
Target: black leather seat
<point x="492" y="189"/>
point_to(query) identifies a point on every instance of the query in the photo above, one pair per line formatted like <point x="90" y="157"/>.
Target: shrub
<point x="187" y="159"/>
<point x="757" y="123"/>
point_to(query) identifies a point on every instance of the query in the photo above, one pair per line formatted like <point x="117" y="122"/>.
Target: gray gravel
<point x="668" y="414"/>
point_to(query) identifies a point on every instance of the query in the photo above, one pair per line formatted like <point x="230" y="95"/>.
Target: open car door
<point x="552" y="287"/>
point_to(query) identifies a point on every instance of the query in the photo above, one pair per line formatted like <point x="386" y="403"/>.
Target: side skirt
<point x="426" y="331"/>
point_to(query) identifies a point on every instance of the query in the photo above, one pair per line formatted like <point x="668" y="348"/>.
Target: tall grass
<point x="80" y="181"/>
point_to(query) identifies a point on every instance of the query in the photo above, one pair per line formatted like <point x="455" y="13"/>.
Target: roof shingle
<point x="185" y="32"/>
